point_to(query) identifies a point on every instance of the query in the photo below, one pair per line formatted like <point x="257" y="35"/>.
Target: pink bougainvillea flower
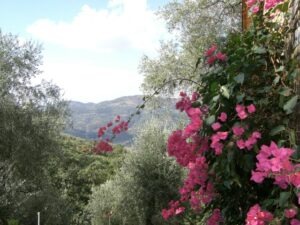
<point x="215" y="141"/>
<point x="275" y="162"/>
<point x="290" y="213"/>
<point x="182" y="94"/>
<point x="255" y="9"/>
<point x="251" y="3"/>
<point x="251" y="108"/>
<point x="179" y="148"/>
<point x="241" y="110"/>
<point x="256" y="216"/>
<point x="211" y="60"/>
<point x="218" y="147"/>
<point x="252" y="140"/>
<point x="192" y="128"/>
<point x="184" y="103"/>
<point x="101" y="131"/>
<point x="173" y="210"/>
<point x="117" y="119"/>
<point x="165" y="214"/>
<point x="194" y="112"/>
<point x="122" y="126"/>
<point x="240" y="144"/>
<point x="258" y="177"/>
<point x="195" y="96"/>
<point x="256" y="135"/>
<point x="222" y="135"/>
<point x="216" y="126"/>
<point x="215" y="218"/>
<point x="220" y="56"/>
<point x="195" y="201"/>
<point x="179" y="210"/>
<point x="238" y="131"/>
<point x="295" y="179"/>
<point x="223" y="117"/>
<point x="295" y="222"/>
<point x="209" y="52"/>
<point x="269" y="4"/>
<point x="103" y="146"/>
<point x="196" y="122"/>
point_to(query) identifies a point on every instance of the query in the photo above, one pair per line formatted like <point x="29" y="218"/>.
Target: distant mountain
<point x="86" y="118"/>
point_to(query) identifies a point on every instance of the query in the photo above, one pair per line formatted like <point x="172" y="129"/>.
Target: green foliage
<point x="77" y="170"/>
<point x="142" y="187"/>
<point x="195" y="25"/>
<point x="31" y="119"/>
<point x="13" y="222"/>
<point x="257" y="72"/>
<point x="41" y="170"/>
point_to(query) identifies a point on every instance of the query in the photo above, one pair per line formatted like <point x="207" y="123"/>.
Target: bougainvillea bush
<point x="239" y="147"/>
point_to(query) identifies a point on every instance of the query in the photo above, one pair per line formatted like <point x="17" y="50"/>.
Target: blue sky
<point x="92" y="48"/>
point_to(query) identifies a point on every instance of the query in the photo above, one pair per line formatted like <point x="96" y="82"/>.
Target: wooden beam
<point x="245" y="17"/>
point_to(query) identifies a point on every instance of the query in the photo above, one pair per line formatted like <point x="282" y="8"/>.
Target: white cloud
<point x="124" y="24"/>
<point x="94" y="56"/>
<point x="89" y="83"/>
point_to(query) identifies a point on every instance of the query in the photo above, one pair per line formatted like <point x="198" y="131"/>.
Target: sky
<point x="91" y="48"/>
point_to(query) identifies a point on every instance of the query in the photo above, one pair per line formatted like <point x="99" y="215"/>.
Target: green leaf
<point x="240" y="78"/>
<point x="280" y="69"/>
<point x="294" y="74"/>
<point x="259" y="50"/>
<point x="227" y="184"/>
<point x="213" y="87"/>
<point x="292" y="137"/>
<point x="210" y="120"/>
<point x="283" y="7"/>
<point x="269" y="202"/>
<point x="283" y="199"/>
<point x="240" y="97"/>
<point x="276" y="80"/>
<point x="290" y="104"/>
<point x="277" y="130"/>
<point x="285" y="91"/>
<point x="225" y="92"/>
<point x="216" y="98"/>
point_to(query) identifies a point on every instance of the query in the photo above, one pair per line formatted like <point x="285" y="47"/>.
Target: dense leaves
<point x="252" y="86"/>
<point x="142" y="187"/>
<point x="40" y="169"/>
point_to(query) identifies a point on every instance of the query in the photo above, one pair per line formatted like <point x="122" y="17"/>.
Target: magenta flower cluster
<point x="257" y="216"/>
<point x="104" y="144"/>
<point x="274" y="162"/>
<point x="188" y="147"/>
<point x="213" y="55"/>
<point x="253" y="5"/>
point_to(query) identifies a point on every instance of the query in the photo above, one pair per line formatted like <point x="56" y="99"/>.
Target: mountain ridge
<point x="86" y="118"/>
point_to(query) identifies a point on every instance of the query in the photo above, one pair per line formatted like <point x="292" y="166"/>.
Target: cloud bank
<point x="122" y="25"/>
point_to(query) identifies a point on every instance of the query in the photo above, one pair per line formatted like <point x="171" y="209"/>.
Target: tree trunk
<point x="245" y="17"/>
